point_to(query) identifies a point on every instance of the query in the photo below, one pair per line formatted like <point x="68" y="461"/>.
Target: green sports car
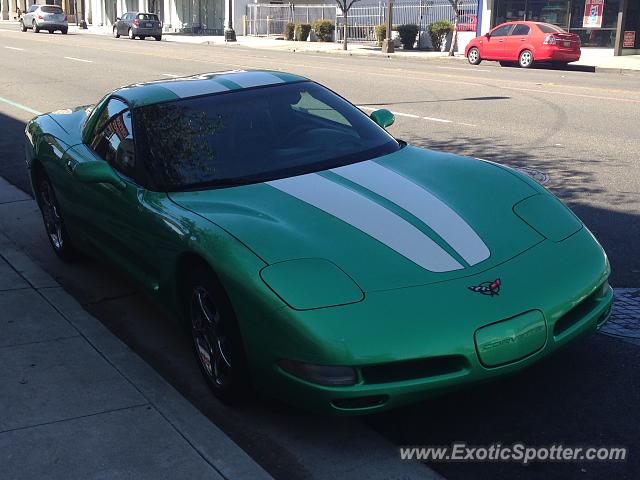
<point x="310" y="254"/>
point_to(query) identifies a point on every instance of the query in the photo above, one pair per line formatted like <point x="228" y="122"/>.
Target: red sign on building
<point x="593" y="13"/>
<point x="629" y="39"/>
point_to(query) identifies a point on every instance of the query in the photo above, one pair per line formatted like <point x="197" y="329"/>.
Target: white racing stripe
<point x="370" y="218"/>
<point x="193" y="88"/>
<point x="420" y="203"/>
<point x="253" y="79"/>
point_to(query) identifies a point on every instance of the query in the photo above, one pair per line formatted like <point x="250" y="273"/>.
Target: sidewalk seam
<point x="76" y="418"/>
<point x="3" y="347"/>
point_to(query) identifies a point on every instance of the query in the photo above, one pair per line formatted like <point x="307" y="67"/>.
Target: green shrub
<point x="381" y="33"/>
<point x="323" y="29"/>
<point x="302" y="31"/>
<point x="289" y="28"/>
<point x="437" y="30"/>
<point x="408" y="34"/>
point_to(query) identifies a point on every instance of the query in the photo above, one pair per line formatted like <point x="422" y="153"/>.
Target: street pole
<point x="387" y="44"/>
<point x="229" y="33"/>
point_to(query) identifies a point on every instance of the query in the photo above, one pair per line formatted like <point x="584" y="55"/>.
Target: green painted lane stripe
<point x="20" y="106"/>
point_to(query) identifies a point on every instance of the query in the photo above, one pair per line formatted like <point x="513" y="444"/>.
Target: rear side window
<point x="51" y="9"/>
<point x="521" y="29"/>
<point x="147" y="16"/>
<point x="502" y="31"/>
<point x="548" y="28"/>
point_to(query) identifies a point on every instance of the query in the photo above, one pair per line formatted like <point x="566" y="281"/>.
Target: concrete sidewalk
<point x="78" y="403"/>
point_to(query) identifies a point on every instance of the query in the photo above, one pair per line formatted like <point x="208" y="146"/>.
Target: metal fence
<point x="269" y="19"/>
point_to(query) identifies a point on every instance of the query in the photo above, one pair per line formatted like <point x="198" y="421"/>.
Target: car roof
<point x="149" y="93"/>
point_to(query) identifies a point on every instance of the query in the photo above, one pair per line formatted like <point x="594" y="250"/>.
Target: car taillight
<point x="40" y="17"/>
<point x="549" y="40"/>
<point x="65" y="18"/>
<point x="159" y="24"/>
<point x="135" y="23"/>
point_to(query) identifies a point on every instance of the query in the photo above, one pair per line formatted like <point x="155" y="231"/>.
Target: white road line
<point x="410" y="115"/>
<point x="170" y="75"/>
<point x="79" y="59"/>
<point x="441" y="120"/>
<point x="15" y="48"/>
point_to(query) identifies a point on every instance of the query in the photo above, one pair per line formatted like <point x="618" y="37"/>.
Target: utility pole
<point x="229" y="32"/>
<point x="387" y="44"/>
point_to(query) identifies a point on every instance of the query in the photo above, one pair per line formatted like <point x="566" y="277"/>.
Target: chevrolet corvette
<point x="308" y="253"/>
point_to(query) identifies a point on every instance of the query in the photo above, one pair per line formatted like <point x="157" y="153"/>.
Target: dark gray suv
<point x="137" y="24"/>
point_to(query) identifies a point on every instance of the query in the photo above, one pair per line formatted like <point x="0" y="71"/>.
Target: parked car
<point x="306" y="251"/>
<point x="44" y="17"/>
<point x="525" y="43"/>
<point x="136" y="24"/>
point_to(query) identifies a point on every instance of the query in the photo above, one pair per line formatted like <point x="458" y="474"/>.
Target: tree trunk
<point x="344" y="40"/>
<point x="454" y="35"/>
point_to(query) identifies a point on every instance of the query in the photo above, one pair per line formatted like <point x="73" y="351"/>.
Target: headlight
<point x="548" y="216"/>
<point x="331" y="376"/>
<point x="310" y="283"/>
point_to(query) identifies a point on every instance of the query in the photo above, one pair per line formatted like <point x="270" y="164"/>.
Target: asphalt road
<point x="580" y="128"/>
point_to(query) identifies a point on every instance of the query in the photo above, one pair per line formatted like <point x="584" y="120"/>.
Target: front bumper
<point x="413" y="343"/>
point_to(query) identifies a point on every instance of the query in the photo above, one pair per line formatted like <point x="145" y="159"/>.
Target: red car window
<point x="502" y="31"/>
<point x="521" y="29"/>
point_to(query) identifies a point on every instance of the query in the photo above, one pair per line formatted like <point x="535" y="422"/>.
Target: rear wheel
<point x="52" y="217"/>
<point x="23" y="28"/>
<point x="115" y="32"/>
<point x="525" y="60"/>
<point x="131" y="35"/>
<point x="158" y="37"/>
<point x="474" y="56"/>
<point x="64" y="31"/>
<point x="142" y="37"/>
<point x="216" y="337"/>
<point x="35" y="27"/>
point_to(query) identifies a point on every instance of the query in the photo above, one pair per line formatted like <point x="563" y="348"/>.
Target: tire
<point x="473" y="56"/>
<point x="22" y="27"/>
<point x="525" y="59"/>
<point x="142" y="37"/>
<point x="35" y="27"/>
<point x="115" y="32"/>
<point x="50" y="31"/>
<point x="158" y="38"/>
<point x="53" y="219"/>
<point x="215" y="336"/>
<point x="64" y="31"/>
<point x="131" y="35"/>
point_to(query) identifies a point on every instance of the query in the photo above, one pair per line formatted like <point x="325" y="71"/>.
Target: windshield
<point x="548" y="28"/>
<point x="253" y="136"/>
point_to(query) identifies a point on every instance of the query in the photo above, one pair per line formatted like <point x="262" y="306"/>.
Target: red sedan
<point x="525" y="43"/>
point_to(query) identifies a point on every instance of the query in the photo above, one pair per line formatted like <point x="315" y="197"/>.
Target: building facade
<point x="609" y="24"/>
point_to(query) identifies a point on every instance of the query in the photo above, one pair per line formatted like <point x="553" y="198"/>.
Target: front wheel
<point x="142" y="37"/>
<point x="474" y="56"/>
<point x="216" y="337"/>
<point x="525" y="60"/>
<point x="53" y="223"/>
<point x="131" y="35"/>
<point x="23" y="28"/>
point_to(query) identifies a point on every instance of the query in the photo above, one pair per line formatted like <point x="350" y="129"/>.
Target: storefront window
<point x="603" y="37"/>
<point x="550" y="11"/>
<point x="632" y="23"/>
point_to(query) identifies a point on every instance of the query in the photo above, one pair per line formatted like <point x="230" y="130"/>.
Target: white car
<point x="44" y="17"/>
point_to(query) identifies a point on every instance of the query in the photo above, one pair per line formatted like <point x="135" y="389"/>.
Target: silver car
<point x="44" y="17"/>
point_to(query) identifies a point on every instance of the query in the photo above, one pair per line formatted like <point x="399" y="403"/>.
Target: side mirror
<point x="488" y="34"/>
<point x="383" y="117"/>
<point x="98" y="172"/>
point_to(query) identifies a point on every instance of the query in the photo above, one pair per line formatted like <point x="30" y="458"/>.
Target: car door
<point x="494" y="44"/>
<point x="516" y="41"/>
<point x="29" y="16"/>
<point x="121" y="25"/>
<point x="124" y="223"/>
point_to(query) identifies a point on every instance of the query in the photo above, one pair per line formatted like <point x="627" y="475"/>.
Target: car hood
<point x="410" y="218"/>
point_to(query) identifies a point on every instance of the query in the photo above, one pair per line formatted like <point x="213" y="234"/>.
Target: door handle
<point x="500" y="41"/>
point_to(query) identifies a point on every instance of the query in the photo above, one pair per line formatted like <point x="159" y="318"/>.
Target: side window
<point x="113" y="137"/>
<point x="502" y="31"/>
<point x="33" y="8"/>
<point x="521" y="29"/>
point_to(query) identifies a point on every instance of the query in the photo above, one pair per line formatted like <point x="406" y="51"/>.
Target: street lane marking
<point x="79" y="59"/>
<point x="438" y="120"/>
<point x="15" y="48"/>
<point x="170" y="75"/>
<point x="20" y="106"/>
